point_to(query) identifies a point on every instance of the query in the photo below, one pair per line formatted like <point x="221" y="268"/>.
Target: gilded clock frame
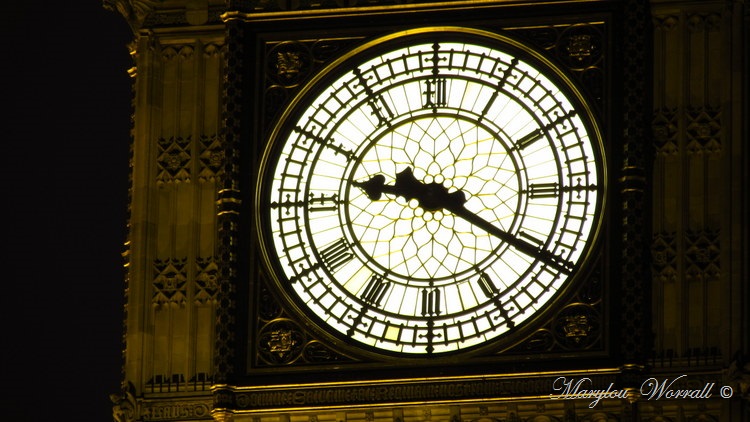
<point x="372" y="48"/>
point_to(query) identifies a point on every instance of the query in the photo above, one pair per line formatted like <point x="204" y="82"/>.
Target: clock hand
<point x="431" y="196"/>
<point x="434" y="196"/>
<point x="528" y="248"/>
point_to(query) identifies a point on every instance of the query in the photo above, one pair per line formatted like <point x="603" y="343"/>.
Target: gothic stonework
<point x="665" y="22"/>
<point x="179" y="383"/>
<point x="175" y="410"/>
<point x="281" y="341"/>
<point x="174" y="160"/>
<point x="578" y="325"/>
<point x="702" y="255"/>
<point x="703" y="130"/>
<point x="212" y="77"/>
<point x="664" y="257"/>
<point x="184" y="52"/>
<point x="206" y="283"/>
<point x="703" y="22"/>
<point x="170" y="282"/>
<point x="738" y="374"/>
<point x="289" y="64"/>
<point x="634" y="164"/>
<point x="579" y="47"/>
<point x="228" y="201"/>
<point x="211" y="155"/>
<point x="665" y="132"/>
<point x="312" y="5"/>
<point x="124" y="404"/>
<point x="134" y="11"/>
<point x="154" y="13"/>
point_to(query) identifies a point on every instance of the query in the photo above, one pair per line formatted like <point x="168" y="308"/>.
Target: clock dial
<point x="432" y="192"/>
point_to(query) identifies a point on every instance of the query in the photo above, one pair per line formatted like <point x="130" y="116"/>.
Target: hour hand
<point x="430" y="196"/>
<point x="374" y="187"/>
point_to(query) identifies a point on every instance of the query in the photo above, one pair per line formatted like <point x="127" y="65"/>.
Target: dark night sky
<point x="65" y="133"/>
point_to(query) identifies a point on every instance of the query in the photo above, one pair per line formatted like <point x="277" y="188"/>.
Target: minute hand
<point x="434" y="197"/>
<point x="528" y="248"/>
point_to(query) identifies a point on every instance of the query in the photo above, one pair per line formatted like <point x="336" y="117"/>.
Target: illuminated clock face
<point x="431" y="192"/>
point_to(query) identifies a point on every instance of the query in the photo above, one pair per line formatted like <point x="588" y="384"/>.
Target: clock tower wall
<point x="697" y="157"/>
<point x="679" y="302"/>
<point x="176" y="165"/>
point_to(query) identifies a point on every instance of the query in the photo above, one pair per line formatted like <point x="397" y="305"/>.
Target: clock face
<point x="431" y="192"/>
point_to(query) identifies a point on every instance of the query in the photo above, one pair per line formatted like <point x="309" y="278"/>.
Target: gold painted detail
<point x="281" y="342"/>
<point x="164" y="411"/>
<point x="344" y="395"/>
<point x="176" y="382"/>
<point x="222" y="415"/>
<point x="576" y="327"/>
<point x="288" y="64"/>
<point x="229" y="196"/>
<point x="579" y="46"/>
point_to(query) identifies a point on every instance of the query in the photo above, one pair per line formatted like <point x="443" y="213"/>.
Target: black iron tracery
<point x="326" y="142"/>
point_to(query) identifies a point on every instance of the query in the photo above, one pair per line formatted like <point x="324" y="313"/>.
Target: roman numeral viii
<point x="336" y="254"/>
